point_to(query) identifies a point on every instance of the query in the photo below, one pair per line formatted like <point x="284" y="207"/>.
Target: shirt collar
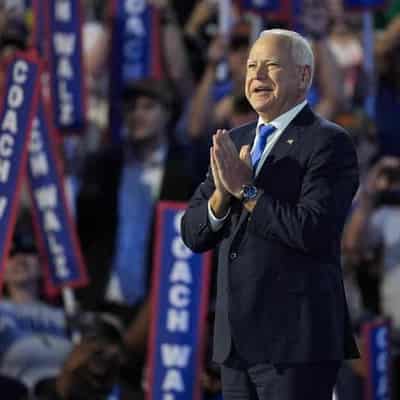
<point x="285" y="119"/>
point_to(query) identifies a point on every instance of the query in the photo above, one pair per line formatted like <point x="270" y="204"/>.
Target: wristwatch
<point x="248" y="192"/>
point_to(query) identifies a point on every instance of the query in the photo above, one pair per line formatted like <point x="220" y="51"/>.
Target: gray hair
<point x="301" y="50"/>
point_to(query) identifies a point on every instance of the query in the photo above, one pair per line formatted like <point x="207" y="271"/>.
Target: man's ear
<point x="305" y="76"/>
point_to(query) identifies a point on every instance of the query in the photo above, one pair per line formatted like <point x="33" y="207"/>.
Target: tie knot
<point x="266" y="130"/>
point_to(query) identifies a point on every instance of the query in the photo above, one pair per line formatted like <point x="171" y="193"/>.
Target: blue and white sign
<point x="66" y="68"/>
<point x="55" y="229"/>
<point x="16" y="113"/>
<point x="376" y="337"/>
<point x="364" y="4"/>
<point x="135" y="51"/>
<point x="179" y="307"/>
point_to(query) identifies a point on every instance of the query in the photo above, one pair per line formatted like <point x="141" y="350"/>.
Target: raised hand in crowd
<point x="212" y="102"/>
<point x="92" y="368"/>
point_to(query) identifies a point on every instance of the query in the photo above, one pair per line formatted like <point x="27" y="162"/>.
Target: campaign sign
<point x="364" y="4"/>
<point x="55" y="229"/>
<point x="19" y="104"/>
<point x="376" y="337"/>
<point x="65" y="59"/>
<point x="135" y="51"/>
<point x="180" y="289"/>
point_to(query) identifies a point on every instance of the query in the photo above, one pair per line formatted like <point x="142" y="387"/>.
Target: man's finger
<point x="212" y="162"/>
<point x="222" y="143"/>
<point x="229" y="143"/>
<point x="245" y="154"/>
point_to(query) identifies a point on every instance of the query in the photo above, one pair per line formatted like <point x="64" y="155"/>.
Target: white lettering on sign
<point x="20" y="72"/>
<point x="66" y="103"/>
<point x="173" y="381"/>
<point x="6" y="145"/>
<point x="64" y="68"/>
<point x="46" y="196"/>
<point x="15" y="96"/>
<point x="47" y="200"/>
<point x="65" y="45"/>
<point x="181" y="272"/>
<point x="38" y="162"/>
<point x="9" y="125"/>
<point x="134" y="6"/>
<point x="3" y="205"/>
<point x="177" y="320"/>
<point x="135" y="26"/>
<point x="179" y="250"/>
<point x="380" y="363"/>
<point x="63" y="11"/>
<point x="175" y="357"/>
<point x="5" y="167"/>
<point x="179" y="296"/>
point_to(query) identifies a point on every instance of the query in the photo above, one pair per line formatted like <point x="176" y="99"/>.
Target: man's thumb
<point x="245" y="154"/>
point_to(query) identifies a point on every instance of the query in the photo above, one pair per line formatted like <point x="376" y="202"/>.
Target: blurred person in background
<point x="326" y="94"/>
<point x="373" y="235"/>
<point x="121" y="185"/>
<point x="345" y="44"/>
<point x="174" y="53"/>
<point x="34" y="339"/>
<point x="92" y="369"/>
<point x="212" y="102"/>
<point x="387" y="102"/>
<point x="120" y="188"/>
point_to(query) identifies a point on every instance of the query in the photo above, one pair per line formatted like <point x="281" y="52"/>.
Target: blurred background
<point x="151" y="81"/>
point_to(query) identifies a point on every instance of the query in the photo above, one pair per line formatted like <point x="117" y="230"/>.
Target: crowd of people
<point x="114" y="187"/>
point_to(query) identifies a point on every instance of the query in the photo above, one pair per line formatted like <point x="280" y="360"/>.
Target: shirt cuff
<point x="216" y="223"/>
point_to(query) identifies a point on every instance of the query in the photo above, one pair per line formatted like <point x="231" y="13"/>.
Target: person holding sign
<point x="274" y="203"/>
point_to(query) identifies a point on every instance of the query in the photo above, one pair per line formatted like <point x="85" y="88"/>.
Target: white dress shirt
<point x="280" y="124"/>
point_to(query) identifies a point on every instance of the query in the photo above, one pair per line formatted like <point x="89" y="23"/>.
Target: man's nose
<point x="261" y="72"/>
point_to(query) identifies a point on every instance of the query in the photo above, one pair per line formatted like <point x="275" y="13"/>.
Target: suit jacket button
<point x="233" y="255"/>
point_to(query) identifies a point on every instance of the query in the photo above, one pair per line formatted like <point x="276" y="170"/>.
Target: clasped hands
<point x="230" y="169"/>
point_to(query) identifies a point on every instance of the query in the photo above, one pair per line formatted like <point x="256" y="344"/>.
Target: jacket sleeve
<point x="316" y="220"/>
<point x="195" y="227"/>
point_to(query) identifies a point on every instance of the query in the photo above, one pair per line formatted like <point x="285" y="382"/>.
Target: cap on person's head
<point x="156" y="89"/>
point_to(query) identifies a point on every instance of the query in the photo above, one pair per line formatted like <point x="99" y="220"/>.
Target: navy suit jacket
<point x="280" y="294"/>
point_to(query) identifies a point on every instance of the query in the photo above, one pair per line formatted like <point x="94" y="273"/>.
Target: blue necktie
<point x="264" y="132"/>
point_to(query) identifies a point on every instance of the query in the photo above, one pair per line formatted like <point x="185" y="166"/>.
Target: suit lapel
<point x="287" y="142"/>
<point x="289" y="138"/>
<point x="248" y="136"/>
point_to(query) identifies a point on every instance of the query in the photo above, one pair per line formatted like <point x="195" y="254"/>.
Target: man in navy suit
<point x="274" y="204"/>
